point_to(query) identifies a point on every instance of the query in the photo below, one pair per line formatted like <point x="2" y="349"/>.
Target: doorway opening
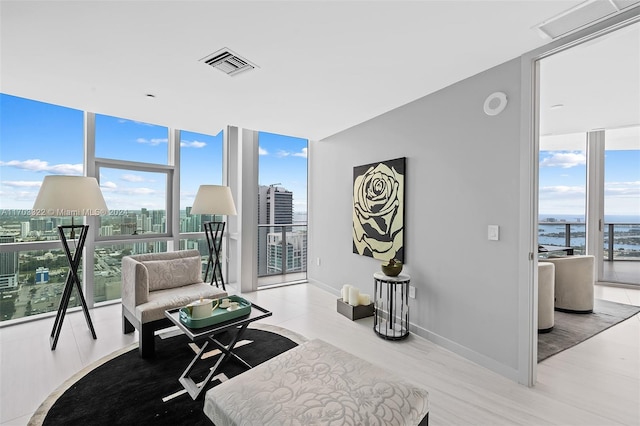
<point x="589" y="152"/>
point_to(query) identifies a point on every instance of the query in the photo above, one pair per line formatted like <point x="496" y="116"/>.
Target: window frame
<point x="168" y="171"/>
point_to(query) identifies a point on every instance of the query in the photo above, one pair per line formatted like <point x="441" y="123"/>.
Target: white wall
<point x="462" y="175"/>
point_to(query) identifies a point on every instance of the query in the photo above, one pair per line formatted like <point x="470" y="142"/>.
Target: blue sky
<point x="37" y="139"/>
<point x="562" y="183"/>
<point x="283" y="160"/>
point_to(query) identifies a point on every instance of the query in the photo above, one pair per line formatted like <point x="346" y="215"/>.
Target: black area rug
<point x="128" y="390"/>
<point x="571" y="329"/>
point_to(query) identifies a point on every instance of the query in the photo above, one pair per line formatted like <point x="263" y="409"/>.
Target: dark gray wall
<point x="463" y="174"/>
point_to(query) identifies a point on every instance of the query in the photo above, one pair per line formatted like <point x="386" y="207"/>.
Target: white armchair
<point x="575" y="277"/>
<point x="546" y="296"/>
<point x="155" y="282"/>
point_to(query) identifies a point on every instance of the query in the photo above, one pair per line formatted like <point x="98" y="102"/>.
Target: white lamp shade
<point x="214" y="199"/>
<point x="69" y="196"/>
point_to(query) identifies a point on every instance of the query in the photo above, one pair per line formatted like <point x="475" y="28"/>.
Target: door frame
<point x="529" y="145"/>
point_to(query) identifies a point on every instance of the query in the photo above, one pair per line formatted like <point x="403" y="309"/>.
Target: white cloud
<point x="22" y="183"/>
<point x="123" y="195"/>
<point x="262" y="151"/>
<point x="561" y="199"/>
<point x="193" y="144"/>
<point x="152" y="142"/>
<point x="564" y="159"/>
<point x="622" y="198"/>
<point x="23" y="199"/>
<point x="108" y="185"/>
<point x="132" y="178"/>
<point x="561" y="191"/>
<point x="302" y="153"/>
<point x="283" y="154"/>
<point x="622" y="189"/>
<point x="36" y="165"/>
<point x="137" y="191"/>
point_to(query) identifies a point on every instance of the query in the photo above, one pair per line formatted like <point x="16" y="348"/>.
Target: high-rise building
<point x="192" y="222"/>
<point x="275" y="207"/>
<point x="25" y="228"/>
<point x="106" y="230"/>
<point x="38" y="224"/>
<point x="42" y="275"/>
<point x="158" y="220"/>
<point x="294" y="251"/>
<point x="8" y="265"/>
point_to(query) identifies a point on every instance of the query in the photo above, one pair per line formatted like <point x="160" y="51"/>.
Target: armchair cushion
<point x="155" y="282"/>
<point x="164" y="274"/>
<point x="160" y="301"/>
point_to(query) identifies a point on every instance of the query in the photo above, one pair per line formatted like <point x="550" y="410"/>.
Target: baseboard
<point x="463" y="351"/>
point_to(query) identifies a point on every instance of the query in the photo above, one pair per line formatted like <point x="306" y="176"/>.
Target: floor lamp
<point x="214" y="200"/>
<point x="70" y="196"/>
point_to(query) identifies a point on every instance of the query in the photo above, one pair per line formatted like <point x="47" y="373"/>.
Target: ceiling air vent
<point x="581" y="15"/>
<point x="228" y="62"/>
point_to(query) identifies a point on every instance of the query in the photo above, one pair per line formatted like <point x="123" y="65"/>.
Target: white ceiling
<point x="597" y="83"/>
<point x="323" y="66"/>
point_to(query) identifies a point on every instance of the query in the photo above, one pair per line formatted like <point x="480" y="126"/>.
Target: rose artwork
<point x="378" y="210"/>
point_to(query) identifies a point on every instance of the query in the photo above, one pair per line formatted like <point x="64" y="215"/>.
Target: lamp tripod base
<point x="214" y="232"/>
<point x="72" y="279"/>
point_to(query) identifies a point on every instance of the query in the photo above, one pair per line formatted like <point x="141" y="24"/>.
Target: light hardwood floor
<point x="595" y="383"/>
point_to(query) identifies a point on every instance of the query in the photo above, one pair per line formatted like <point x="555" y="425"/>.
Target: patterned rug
<point x="124" y="389"/>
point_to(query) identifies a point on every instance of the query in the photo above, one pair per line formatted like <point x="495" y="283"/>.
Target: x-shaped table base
<point x="226" y="352"/>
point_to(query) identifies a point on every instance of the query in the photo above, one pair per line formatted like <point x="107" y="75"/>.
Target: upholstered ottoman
<point x="317" y="383"/>
<point x="574" y="283"/>
<point x="546" y="295"/>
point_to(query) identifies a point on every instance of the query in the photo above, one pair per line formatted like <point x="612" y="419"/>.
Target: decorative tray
<point x="218" y="315"/>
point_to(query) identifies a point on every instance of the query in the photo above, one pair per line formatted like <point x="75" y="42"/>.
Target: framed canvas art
<point x="378" y="209"/>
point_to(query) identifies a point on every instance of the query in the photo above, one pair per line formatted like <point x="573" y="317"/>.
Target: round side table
<point x="391" y="306"/>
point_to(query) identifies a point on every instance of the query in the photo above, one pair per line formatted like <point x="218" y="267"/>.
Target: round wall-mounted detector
<point x="495" y="103"/>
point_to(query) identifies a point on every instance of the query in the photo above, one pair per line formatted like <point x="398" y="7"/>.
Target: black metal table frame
<point x="385" y="296"/>
<point x="546" y="248"/>
<point x="209" y="333"/>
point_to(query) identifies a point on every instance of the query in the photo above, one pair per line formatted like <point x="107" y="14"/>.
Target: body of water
<point x="553" y="233"/>
<point x="580" y="218"/>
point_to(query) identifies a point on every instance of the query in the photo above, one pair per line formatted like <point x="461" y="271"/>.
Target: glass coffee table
<point x="236" y="327"/>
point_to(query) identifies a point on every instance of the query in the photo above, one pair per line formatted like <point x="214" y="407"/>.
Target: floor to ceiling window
<point x="132" y="163"/>
<point x="282" y="209"/>
<point x="200" y="164"/>
<point x="37" y="139"/>
<point x="622" y="205"/>
<point x="562" y="191"/>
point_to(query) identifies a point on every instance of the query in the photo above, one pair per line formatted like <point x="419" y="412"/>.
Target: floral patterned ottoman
<point x="317" y="384"/>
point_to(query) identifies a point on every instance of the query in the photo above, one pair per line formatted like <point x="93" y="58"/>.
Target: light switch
<point x="494" y="232"/>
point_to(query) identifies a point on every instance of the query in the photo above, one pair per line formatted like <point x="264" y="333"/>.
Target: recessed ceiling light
<point x="557" y="106"/>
